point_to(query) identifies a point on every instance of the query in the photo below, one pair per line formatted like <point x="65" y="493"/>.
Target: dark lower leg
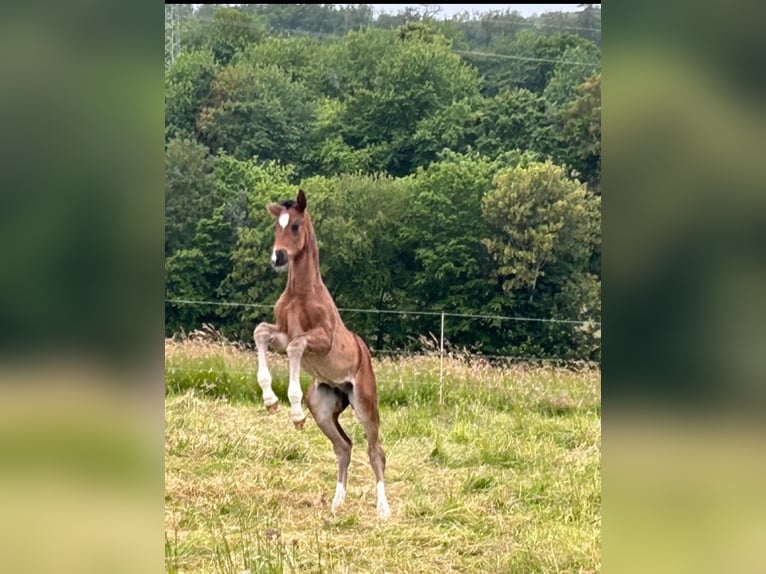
<point x="325" y="405"/>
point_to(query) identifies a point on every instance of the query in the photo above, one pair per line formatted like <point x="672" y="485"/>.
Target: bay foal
<point x="309" y="329"/>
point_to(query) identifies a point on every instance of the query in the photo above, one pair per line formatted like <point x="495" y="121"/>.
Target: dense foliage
<point x="450" y="165"/>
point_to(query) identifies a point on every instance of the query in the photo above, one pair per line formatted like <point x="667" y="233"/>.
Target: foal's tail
<point x="366" y="373"/>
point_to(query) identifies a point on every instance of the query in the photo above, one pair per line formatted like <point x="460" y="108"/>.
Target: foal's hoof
<point x="299" y="424"/>
<point x="272" y="408"/>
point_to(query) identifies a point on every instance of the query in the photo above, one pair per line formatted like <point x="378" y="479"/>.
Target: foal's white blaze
<point x="274" y="256"/>
<point x="284" y="219"/>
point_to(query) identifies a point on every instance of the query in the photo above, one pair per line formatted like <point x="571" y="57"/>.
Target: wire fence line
<point x="441" y="353"/>
<point x="396" y="312"/>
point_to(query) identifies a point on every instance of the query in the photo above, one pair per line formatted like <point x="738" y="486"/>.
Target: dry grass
<point x="502" y="476"/>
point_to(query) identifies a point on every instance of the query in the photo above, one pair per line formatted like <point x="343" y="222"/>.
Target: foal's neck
<point x="303" y="275"/>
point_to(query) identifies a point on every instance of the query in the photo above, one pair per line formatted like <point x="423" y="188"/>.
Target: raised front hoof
<point x="384" y="512"/>
<point x="272" y="408"/>
<point x="299" y="424"/>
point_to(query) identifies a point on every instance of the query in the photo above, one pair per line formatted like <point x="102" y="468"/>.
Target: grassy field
<point x="499" y="471"/>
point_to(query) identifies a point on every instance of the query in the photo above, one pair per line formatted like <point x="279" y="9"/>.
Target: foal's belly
<point x="329" y="368"/>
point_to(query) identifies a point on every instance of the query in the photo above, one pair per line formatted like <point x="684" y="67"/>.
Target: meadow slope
<point x="497" y="471"/>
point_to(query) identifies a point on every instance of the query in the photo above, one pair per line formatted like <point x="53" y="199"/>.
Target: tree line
<point x="449" y="165"/>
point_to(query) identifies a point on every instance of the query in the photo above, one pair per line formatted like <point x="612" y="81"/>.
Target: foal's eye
<point x="294" y="227"/>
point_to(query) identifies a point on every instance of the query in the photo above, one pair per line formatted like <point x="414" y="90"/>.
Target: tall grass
<point x="501" y="475"/>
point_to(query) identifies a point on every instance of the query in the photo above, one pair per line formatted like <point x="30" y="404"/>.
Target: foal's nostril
<point x="279" y="259"/>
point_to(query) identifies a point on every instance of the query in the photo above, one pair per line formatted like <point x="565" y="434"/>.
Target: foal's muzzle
<point x="279" y="259"/>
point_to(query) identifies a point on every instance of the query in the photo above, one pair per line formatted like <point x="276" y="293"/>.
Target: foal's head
<point x="290" y="230"/>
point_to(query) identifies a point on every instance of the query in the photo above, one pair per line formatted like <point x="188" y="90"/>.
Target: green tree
<point x="455" y="127"/>
<point x="333" y="156"/>
<point x="581" y="133"/>
<point x="578" y="63"/>
<point x="184" y="281"/>
<point x="513" y="119"/>
<point x="443" y="231"/>
<point x="335" y="19"/>
<point x="305" y="60"/>
<point x="406" y="16"/>
<point x="354" y="61"/>
<point x="258" y="111"/>
<point x="188" y="192"/>
<point x="542" y="230"/>
<point x="589" y="19"/>
<point x="188" y="83"/>
<point x="546" y="225"/>
<point x="482" y="32"/>
<point x="414" y="78"/>
<point x="232" y="31"/>
<point x="196" y="273"/>
<point x="527" y="60"/>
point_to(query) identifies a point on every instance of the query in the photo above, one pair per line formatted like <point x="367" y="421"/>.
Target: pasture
<point x="501" y="475"/>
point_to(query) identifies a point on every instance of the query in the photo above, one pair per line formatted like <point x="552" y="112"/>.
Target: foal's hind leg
<point x="326" y="403"/>
<point x="365" y="405"/>
<point x="266" y="334"/>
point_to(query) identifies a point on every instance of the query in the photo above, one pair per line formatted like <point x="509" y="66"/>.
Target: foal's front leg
<point x="316" y="341"/>
<point x="266" y="334"/>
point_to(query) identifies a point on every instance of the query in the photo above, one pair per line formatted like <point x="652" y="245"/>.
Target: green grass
<point x="502" y="475"/>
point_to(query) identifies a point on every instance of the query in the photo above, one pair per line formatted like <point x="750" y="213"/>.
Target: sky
<point x="449" y="10"/>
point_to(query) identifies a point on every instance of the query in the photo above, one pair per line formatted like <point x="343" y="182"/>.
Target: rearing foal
<point x="309" y="329"/>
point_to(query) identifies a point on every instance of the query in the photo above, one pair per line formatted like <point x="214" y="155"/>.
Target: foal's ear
<point x="274" y="209"/>
<point x="300" y="201"/>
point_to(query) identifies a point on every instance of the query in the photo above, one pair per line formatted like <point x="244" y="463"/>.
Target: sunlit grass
<point x="501" y="475"/>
